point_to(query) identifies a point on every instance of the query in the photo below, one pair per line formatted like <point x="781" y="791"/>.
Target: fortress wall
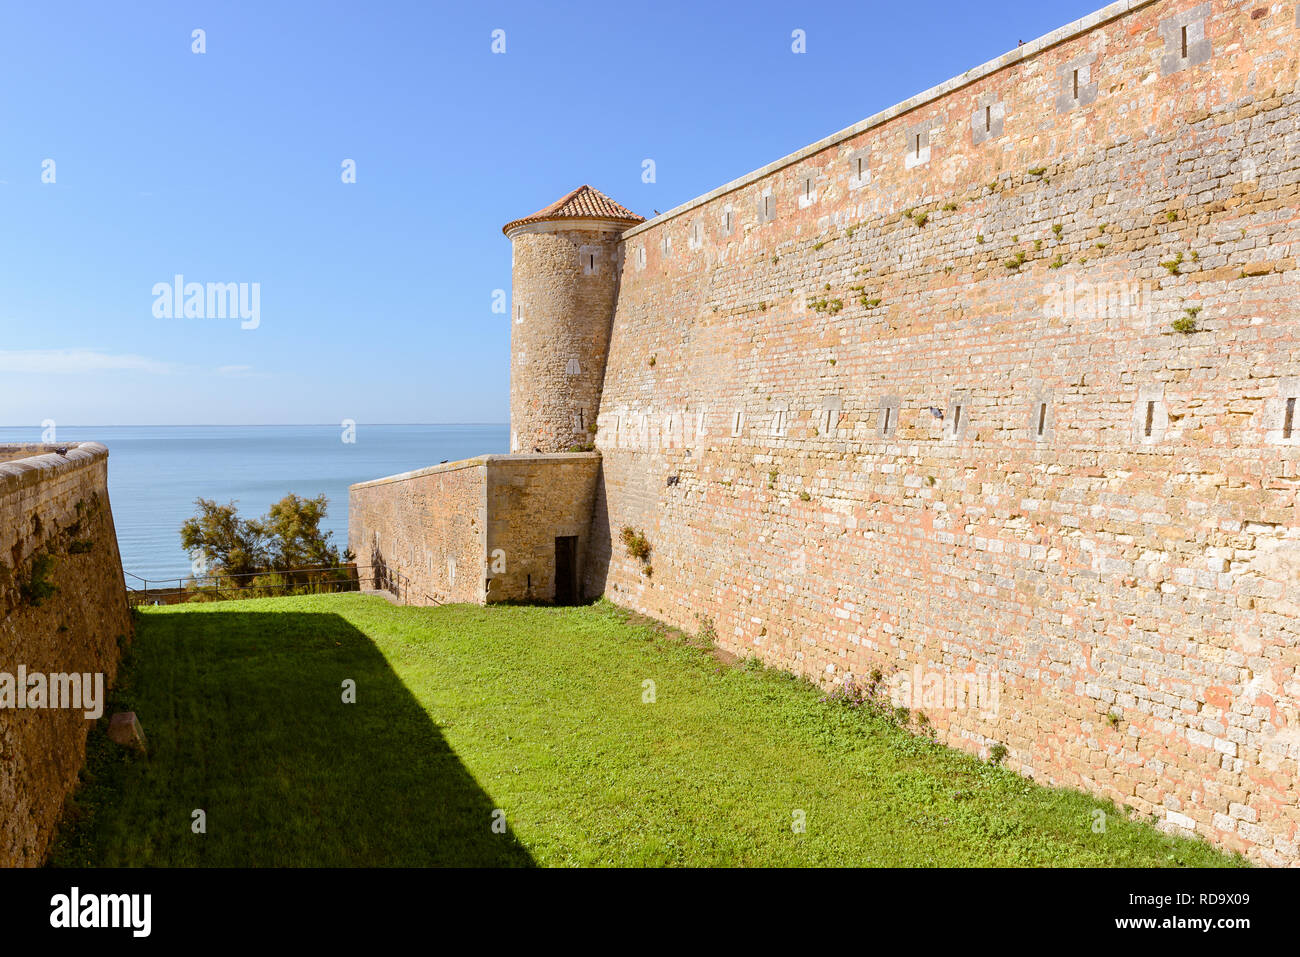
<point x="1127" y="574"/>
<point x="428" y="526"/>
<point x="431" y="526"/>
<point x="532" y="500"/>
<point x="54" y="513"/>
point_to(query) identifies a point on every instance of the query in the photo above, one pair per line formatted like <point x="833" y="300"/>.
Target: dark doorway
<point x="566" y="569"/>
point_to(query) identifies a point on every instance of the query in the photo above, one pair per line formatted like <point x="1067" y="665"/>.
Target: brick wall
<point x="564" y="283"/>
<point x="532" y="500"/>
<point x="922" y="401"/>
<point x="53" y="507"/>
<point x="481" y="530"/>
<point x="426" y="527"/>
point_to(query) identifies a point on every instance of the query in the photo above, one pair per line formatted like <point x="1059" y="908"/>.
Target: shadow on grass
<point x="246" y="722"/>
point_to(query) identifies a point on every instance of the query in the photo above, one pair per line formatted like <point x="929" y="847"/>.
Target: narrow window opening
<point x="956" y="419"/>
<point x="1076" y="84"/>
<point x="1042" y="417"/>
<point x="581" y="422"/>
<point x="1184" y="43"/>
<point x="1289" y="423"/>
<point x="988" y="119"/>
<point x="1151" y="417"/>
<point x="591" y="263"/>
<point x="889" y="414"/>
<point x="918" y="144"/>
<point x="861" y="166"/>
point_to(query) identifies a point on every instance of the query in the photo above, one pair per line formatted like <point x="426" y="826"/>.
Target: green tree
<point x="268" y="552"/>
<point x="292" y="527"/>
<point x="230" y="545"/>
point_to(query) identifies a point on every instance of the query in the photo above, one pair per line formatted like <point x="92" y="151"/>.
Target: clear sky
<point x="376" y="296"/>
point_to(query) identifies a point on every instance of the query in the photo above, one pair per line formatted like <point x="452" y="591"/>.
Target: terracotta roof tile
<point x="583" y="203"/>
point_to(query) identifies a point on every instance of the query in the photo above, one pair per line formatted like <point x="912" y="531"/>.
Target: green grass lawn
<point x="462" y="712"/>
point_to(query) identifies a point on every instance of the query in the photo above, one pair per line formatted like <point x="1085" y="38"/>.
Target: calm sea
<point x="156" y="472"/>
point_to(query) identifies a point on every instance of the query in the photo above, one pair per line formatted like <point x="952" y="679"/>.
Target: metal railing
<point x="321" y="579"/>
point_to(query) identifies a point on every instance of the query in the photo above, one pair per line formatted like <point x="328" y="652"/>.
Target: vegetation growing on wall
<point x="635" y="543"/>
<point x="36" y="586"/>
<point x="1186" y="324"/>
<point x="638" y="547"/>
<point x="831" y="306"/>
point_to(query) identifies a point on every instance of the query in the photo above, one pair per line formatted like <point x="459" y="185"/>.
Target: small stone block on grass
<point x="124" y="728"/>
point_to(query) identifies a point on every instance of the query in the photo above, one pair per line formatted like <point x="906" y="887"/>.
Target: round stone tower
<point x="565" y="286"/>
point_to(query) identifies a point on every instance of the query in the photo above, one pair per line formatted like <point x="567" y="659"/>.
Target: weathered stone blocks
<point x="1111" y="527"/>
<point x="482" y="530"/>
<point x="63" y="611"/>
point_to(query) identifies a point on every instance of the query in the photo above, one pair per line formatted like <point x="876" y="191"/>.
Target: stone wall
<point x="425" y="531"/>
<point x="564" y="285"/>
<point x="532" y="501"/>
<point x="56" y="527"/>
<point x="1002" y="382"/>
<point x="481" y="530"/>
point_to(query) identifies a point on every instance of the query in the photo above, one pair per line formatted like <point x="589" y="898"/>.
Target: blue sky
<point x="375" y="296"/>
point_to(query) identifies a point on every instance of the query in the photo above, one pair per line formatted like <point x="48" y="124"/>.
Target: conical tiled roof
<point x="583" y="203"/>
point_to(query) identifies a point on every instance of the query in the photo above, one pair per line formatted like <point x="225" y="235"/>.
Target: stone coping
<point x="43" y="462"/>
<point x="1068" y="32"/>
<point x="480" y="461"/>
<point x="589" y="224"/>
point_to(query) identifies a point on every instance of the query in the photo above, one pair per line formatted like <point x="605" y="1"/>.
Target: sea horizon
<point x="155" y="472"/>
